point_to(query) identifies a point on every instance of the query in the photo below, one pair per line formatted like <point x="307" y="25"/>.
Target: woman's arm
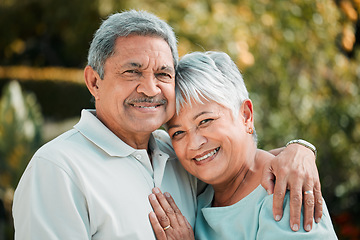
<point x="167" y="219"/>
<point x="294" y="168"/>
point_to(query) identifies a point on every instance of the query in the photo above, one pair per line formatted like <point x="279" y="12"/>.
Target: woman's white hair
<point x="210" y="76"/>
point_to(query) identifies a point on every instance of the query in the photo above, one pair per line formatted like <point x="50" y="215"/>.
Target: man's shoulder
<point x="62" y="143"/>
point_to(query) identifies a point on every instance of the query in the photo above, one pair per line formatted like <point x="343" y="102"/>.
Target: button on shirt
<point x="88" y="184"/>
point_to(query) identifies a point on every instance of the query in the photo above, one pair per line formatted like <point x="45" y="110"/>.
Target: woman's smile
<point x="207" y="156"/>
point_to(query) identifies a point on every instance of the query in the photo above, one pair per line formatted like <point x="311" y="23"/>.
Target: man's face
<point x="137" y="94"/>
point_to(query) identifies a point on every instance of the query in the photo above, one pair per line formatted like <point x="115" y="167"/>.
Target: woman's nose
<point x="196" y="140"/>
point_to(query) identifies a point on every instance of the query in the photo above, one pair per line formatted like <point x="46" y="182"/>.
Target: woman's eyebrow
<point x="173" y="126"/>
<point x="194" y="118"/>
<point x="201" y="113"/>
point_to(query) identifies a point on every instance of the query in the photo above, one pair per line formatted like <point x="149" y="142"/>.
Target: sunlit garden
<point x="300" y="61"/>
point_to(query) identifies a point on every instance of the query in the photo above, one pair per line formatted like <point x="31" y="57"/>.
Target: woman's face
<point x="209" y="142"/>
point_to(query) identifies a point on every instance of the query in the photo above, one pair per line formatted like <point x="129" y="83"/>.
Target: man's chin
<point x="147" y="126"/>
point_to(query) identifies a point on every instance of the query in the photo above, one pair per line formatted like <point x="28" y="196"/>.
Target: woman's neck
<point x="239" y="186"/>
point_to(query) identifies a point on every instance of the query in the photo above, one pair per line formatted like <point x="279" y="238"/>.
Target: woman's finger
<point x="308" y="207"/>
<point x="158" y="229"/>
<point x="163" y="219"/>
<point x="295" y="207"/>
<point x="318" y="202"/>
<point x="184" y="228"/>
<point x="167" y="209"/>
<point x="177" y="212"/>
<point x="278" y="198"/>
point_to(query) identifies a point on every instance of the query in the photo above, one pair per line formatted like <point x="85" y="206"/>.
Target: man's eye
<point x="131" y="71"/>
<point x="164" y="76"/>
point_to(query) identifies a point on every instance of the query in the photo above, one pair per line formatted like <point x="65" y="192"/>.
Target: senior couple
<point x="95" y="180"/>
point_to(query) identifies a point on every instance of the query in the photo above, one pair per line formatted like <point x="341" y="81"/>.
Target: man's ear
<point x="246" y="112"/>
<point x="92" y="79"/>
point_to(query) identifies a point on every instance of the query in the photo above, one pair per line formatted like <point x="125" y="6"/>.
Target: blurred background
<point x="300" y="60"/>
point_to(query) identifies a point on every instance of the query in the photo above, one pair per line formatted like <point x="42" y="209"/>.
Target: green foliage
<point x="20" y="133"/>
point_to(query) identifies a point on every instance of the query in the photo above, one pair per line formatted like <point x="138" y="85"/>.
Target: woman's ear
<point x="92" y="79"/>
<point x="246" y="112"/>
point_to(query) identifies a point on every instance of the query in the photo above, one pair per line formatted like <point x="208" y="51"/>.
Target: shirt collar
<point x="95" y="131"/>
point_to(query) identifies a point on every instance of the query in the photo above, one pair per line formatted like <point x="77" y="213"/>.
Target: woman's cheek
<point x="179" y="150"/>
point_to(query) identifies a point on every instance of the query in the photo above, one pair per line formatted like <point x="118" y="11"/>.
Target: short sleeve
<point x="270" y="229"/>
<point x="49" y="205"/>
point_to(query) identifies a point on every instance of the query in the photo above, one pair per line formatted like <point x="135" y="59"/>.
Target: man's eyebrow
<point x="167" y="68"/>
<point x="132" y="64"/>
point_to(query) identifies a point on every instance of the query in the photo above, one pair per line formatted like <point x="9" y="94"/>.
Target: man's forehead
<point x="138" y="51"/>
<point x="143" y="43"/>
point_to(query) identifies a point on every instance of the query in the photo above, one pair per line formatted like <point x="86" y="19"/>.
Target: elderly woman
<point x="214" y="138"/>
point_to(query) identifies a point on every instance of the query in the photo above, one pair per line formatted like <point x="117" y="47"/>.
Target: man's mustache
<point x="146" y="100"/>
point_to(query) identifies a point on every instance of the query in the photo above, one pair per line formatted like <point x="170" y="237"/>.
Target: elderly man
<point x="93" y="181"/>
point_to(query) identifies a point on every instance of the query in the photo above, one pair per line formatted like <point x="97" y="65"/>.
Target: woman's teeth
<point x="207" y="155"/>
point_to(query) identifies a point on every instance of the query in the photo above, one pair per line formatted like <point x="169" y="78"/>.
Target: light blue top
<point x="252" y="218"/>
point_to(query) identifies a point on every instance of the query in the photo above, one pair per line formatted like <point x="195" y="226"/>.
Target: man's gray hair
<point x="125" y="24"/>
<point x="209" y="76"/>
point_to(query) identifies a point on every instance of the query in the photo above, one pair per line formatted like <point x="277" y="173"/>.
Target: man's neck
<point x="137" y="141"/>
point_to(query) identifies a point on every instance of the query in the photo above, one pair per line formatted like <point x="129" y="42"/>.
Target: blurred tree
<point x="350" y="20"/>
<point x="300" y="60"/>
<point x="20" y="133"/>
<point x="46" y="33"/>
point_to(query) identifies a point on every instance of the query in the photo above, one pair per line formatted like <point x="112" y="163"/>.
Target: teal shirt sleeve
<point x="270" y="229"/>
<point x="252" y="218"/>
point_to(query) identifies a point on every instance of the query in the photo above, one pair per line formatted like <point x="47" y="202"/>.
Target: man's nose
<point x="148" y="85"/>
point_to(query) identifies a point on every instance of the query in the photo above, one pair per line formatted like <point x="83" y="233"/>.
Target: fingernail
<point x="167" y="194"/>
<point x="156" y="190"/>
<point x="295" y="227"/>
<point x="317" y="220"/>
<point x="152" y="197"/>
<point x="308" y="227"/>
<point x="277" y="218"/>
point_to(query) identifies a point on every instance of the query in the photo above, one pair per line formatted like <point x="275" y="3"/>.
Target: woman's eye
<point x="205" y="121"/>
<point x="177" y="134"/>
